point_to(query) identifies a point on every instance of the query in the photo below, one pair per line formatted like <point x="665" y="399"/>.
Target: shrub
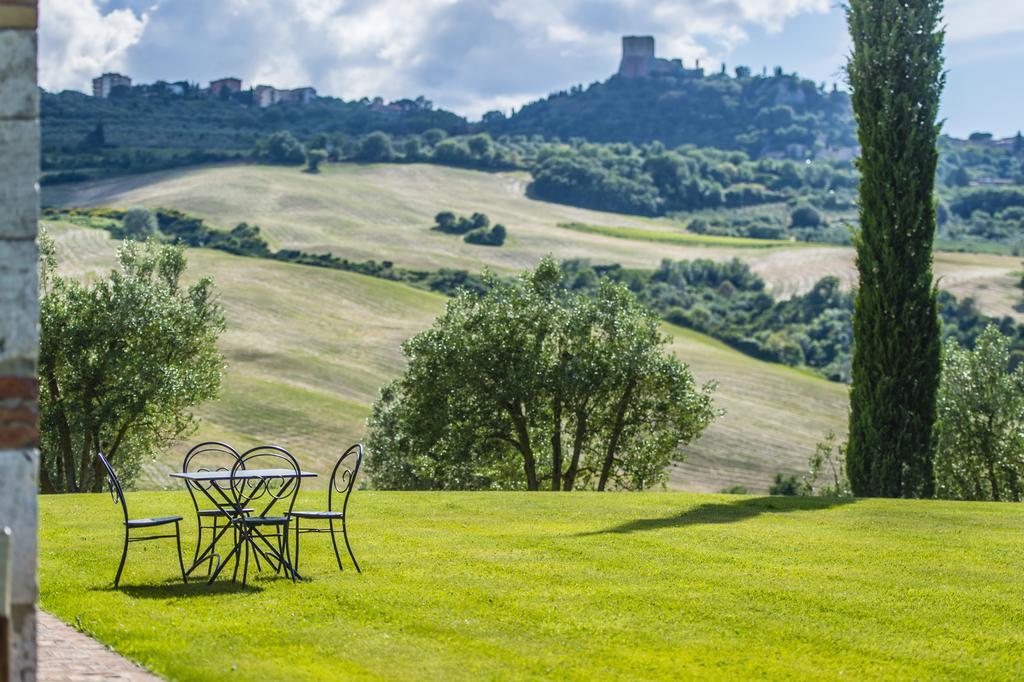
<point x="484" y="237"/>
<point x="805" y="216"/>
<point x="140" y="225"/>
<point x="314" y="157"/>
<point x="784" y="485"/>
<point x="980" y="425"/>
<point x="375" y="147"/>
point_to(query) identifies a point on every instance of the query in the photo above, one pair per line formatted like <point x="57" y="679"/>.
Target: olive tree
<point x="121" y="362"/>
<point x="980" y="426"/>
<point x="528" y="385"/>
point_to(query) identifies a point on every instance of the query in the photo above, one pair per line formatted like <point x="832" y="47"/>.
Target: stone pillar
<point x="19" y="319"/>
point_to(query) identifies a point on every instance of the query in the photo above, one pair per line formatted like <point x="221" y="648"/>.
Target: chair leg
<point x="296" y="564"/>
<point x="288" y="554"/>
<point x="199" y="539"/>
<point x="334" y="542"/>
<point x="245" y="569"/>
<point x="177" y="537"/>
<point x="124" y="555"/>
<point x="213" y="547"/>
<point x="238" y="555"/>
<point x="344" y="532"/>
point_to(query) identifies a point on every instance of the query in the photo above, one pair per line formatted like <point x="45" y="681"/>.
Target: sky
<point x="471" y="56"/>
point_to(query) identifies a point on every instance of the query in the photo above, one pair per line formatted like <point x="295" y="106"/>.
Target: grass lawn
<point x="580" y="586"/>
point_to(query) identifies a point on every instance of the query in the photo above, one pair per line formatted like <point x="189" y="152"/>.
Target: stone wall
<point x="19" y="317"/>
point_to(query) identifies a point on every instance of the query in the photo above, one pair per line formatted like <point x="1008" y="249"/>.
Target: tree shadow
<point x="177" y="590"/>
<point x="726" y="512"/>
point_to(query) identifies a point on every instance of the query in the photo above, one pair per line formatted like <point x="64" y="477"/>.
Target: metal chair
<point x="270" y="489"/>
<point x="209" y="456"/>
<point x="343" y="479"/>
<point x="133" y="524"/>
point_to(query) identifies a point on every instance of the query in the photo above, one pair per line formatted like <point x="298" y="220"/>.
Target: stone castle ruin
<point x="638" y="61"/>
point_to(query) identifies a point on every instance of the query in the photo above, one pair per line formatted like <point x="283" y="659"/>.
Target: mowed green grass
<point x="384" y="212"/>
<point x="677" y="237"/>
<point x="578" y="586"/>
<point x="308" y="350"/>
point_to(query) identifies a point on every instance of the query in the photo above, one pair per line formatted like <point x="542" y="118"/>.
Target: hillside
<point x="384" y="212"/>
<point x="308" y="348"/>
<point x="759" y="114"/>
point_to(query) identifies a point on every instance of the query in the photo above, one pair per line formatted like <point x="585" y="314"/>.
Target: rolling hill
<point x="384" y="212"/>
<point x="307" y="349"/>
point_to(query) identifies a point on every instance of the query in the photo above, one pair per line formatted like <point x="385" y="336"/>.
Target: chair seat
<point x="263" y="520"/>
<point x="220" y="512"/>
<point x="148" y="523"/>
<point x="317" y="514"/>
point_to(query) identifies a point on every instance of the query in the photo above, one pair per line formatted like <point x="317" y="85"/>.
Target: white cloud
<point x="969" y="20"/>
<point x="78" y="41"/>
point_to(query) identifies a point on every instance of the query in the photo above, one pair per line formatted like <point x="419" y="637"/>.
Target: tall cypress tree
<point x="896" y="76"/>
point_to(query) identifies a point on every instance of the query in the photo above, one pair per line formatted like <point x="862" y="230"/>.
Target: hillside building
<point x="266" y="95"/>
<point x="639" y="61"/>
<point x="229" y="85"/>
<point x="102" y="86"/>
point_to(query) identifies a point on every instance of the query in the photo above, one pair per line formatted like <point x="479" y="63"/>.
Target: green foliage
<point x="528" y="367"/>
<point x="980" y="425"/>
<point x="484" y="237"/>
<point x="140" y="224"/>
<point x="784" y="485"/>
<point x="756" y="114"/>
<point x="449" y="223"/>
<point x="315" y="157"/>
<point x="828" y="460"/>
<point x="805" y="216"/>
<point x="96" y="138"/>
<point x="896" y="74"/>
<point x="375" y="147"/>
<point x="282" y="147"/>
<point x="121" y="361"/>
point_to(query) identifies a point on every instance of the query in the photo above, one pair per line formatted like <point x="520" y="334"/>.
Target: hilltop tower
<point x="637" y="56"/>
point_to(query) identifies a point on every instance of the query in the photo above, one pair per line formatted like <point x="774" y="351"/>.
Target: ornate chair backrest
<point x="114" y="485"/>
<point x="281" y="486"/>
<point x="343" y="478"/>
<point x="208" y="456"/>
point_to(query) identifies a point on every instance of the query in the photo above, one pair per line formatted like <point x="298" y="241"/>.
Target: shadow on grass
<point x="726" y="512"/>
<point x="177" y="590"/>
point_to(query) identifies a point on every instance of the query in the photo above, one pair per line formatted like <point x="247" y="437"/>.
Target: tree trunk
<point x="556" y="442"/>
<point x="83" y="464"/>
<point x="63" y="432"/>
<point x="577" y="449"/>
<point x="613" y="440"/>
<point x="515" y="412"/>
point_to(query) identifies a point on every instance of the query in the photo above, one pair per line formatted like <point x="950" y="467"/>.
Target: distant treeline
<point x="725" y="300"/>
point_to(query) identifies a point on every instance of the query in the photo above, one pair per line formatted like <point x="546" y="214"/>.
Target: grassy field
<point x="574" y="586"/>
<point x="384" y="212"/>
<point x="664" y="236"/>
<point x="308" y="348"/>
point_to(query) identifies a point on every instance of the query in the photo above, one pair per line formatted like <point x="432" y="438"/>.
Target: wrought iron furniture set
<point x="248" y="500"/>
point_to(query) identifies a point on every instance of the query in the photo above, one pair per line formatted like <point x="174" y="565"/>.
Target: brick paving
<point x="66" y="655"/>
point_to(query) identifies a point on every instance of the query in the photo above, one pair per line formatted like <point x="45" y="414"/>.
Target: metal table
<point x="216" y="486"/>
